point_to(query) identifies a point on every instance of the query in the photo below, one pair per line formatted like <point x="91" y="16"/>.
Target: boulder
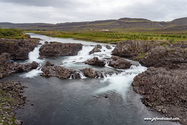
<point x="25" y="67"/>
<point x="108" y="47"/>
<point x="165" y="57"/>
<point x="119" y="63"/>
<point x="60" y="49"/>
<point x="163" y="90"/>
<point x="96" y="49"/>
<point x="58" y="71"/>
<point x="90" y="73"/>
<point x="15" y="47"/>
<point x="6" y="67"/>
<point x="131" y="48"/>
<point x="46" y="65"/>
<point x="95" y="61"/>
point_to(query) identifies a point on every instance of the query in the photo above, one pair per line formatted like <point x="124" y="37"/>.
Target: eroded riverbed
<point x="104" y="101"/>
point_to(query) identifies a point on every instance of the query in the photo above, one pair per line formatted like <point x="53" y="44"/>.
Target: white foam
<point x="33" y="73"/>
<point x="120" y="82"/>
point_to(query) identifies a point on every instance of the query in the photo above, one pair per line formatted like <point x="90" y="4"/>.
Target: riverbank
<point x="114" y="37"/>
<point x="11" y="98"/>
<point x="163" y="85"/>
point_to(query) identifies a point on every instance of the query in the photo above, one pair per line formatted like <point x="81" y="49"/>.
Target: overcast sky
<point x="59" y="11"/>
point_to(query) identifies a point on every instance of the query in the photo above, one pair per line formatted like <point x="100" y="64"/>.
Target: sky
<point x="60" y="11"/>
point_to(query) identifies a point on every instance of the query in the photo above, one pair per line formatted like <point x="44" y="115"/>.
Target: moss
<point x="142" y="55"/>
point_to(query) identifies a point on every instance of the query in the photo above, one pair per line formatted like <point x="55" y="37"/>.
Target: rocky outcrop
<point x="96" y="49"/>
<point x="60" y="49"/>
<point x="165" y="57"/>
<point x="108" y="47"/>
<point x="49" y="70"/>
<point x="119" y="63"/>
<point x="7" y="67"/>
<point x="18" y="49"/>
<point x="164" y="90"/>
<point x="95" y="61"/>
<point x="11" y="98"/>
<point x="90" y="73"/>
<point x="132" y="48"/>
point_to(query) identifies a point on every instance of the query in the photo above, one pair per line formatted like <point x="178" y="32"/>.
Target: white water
<point x="115" y="82"/>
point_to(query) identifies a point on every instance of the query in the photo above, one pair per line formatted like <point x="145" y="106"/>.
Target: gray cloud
<point x="56" y="11"/>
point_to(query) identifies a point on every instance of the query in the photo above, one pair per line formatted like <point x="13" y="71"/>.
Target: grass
<point x="116" y="36"/>
<point x="12" y="34"/>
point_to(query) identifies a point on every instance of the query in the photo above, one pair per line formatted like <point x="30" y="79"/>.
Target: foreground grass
<point x="12" y="34"/>
<point x="114" y="37"/>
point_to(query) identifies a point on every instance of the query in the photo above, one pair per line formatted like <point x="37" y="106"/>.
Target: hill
<point x="120" y="24"/>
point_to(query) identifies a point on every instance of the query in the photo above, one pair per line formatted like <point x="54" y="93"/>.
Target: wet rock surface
<point x="119" y="63"/>
<point x="7" y="67"/>
<point x="11" y="98"/>
<point x="164" y="90"/>
<point x="60" y="49"/>
<point x="96" y="49"/>
<point x="163" y="85"/>
<point x="18" y="49"/>
<point x="95" y="61"/>
<point x="49" y="70"/>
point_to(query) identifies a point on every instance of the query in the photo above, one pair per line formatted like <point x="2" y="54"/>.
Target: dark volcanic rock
<point x="6" y="67"/>
<point x="131" y="48"/>
<point x="60" y="49"/>
<point x="108" y="47"/>
<point x="164" y="90"/>
<point x="15" y="47"/>
<point x="119" y="63"/>
<point x="56" y="71"/>
<point x="25" y="67"/>
<point x="89" y="72"/>
<point x="63" y="73"/>
<point x="95" y="61"/>
<point x="96" y="49"/>
<point x="165" y="57"/>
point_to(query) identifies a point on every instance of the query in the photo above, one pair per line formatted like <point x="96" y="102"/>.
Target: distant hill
<point x="120" y="24"/>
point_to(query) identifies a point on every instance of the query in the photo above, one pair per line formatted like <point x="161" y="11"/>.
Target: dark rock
<point x="12" y="99"/>
<point x="165" y="57"/>
<point x="60" y="49"/>
<point x="108" y="47"/>
<point x="89" y="72"/>
<point x="95" y="61"/>
<point x="46" y="65"/>
<point x="96" y="49"/>
<point x="119" y="63"/>
<point x="131" y="48"/>
<point x="163" y="90"/>
<point x="6" y="67"/>
<point x="15" y="47"/>
<point x="56" y="71"/>
<point x="25" y="67"/>
<point x="99" y="46"/>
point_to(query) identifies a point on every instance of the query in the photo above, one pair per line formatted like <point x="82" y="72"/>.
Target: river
<point x="82" y="101"/>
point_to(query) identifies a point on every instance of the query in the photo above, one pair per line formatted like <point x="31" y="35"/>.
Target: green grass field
<point x="114" y="37"/>
<point x="12" y="34"/>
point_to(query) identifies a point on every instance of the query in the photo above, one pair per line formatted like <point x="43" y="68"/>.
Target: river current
<point x="82" y="101"/>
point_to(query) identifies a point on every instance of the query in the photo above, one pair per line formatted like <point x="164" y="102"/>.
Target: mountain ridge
<point x="112" y="24"/>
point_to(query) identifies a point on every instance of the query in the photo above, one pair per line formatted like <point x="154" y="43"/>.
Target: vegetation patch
<point x="114" y="37"/>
